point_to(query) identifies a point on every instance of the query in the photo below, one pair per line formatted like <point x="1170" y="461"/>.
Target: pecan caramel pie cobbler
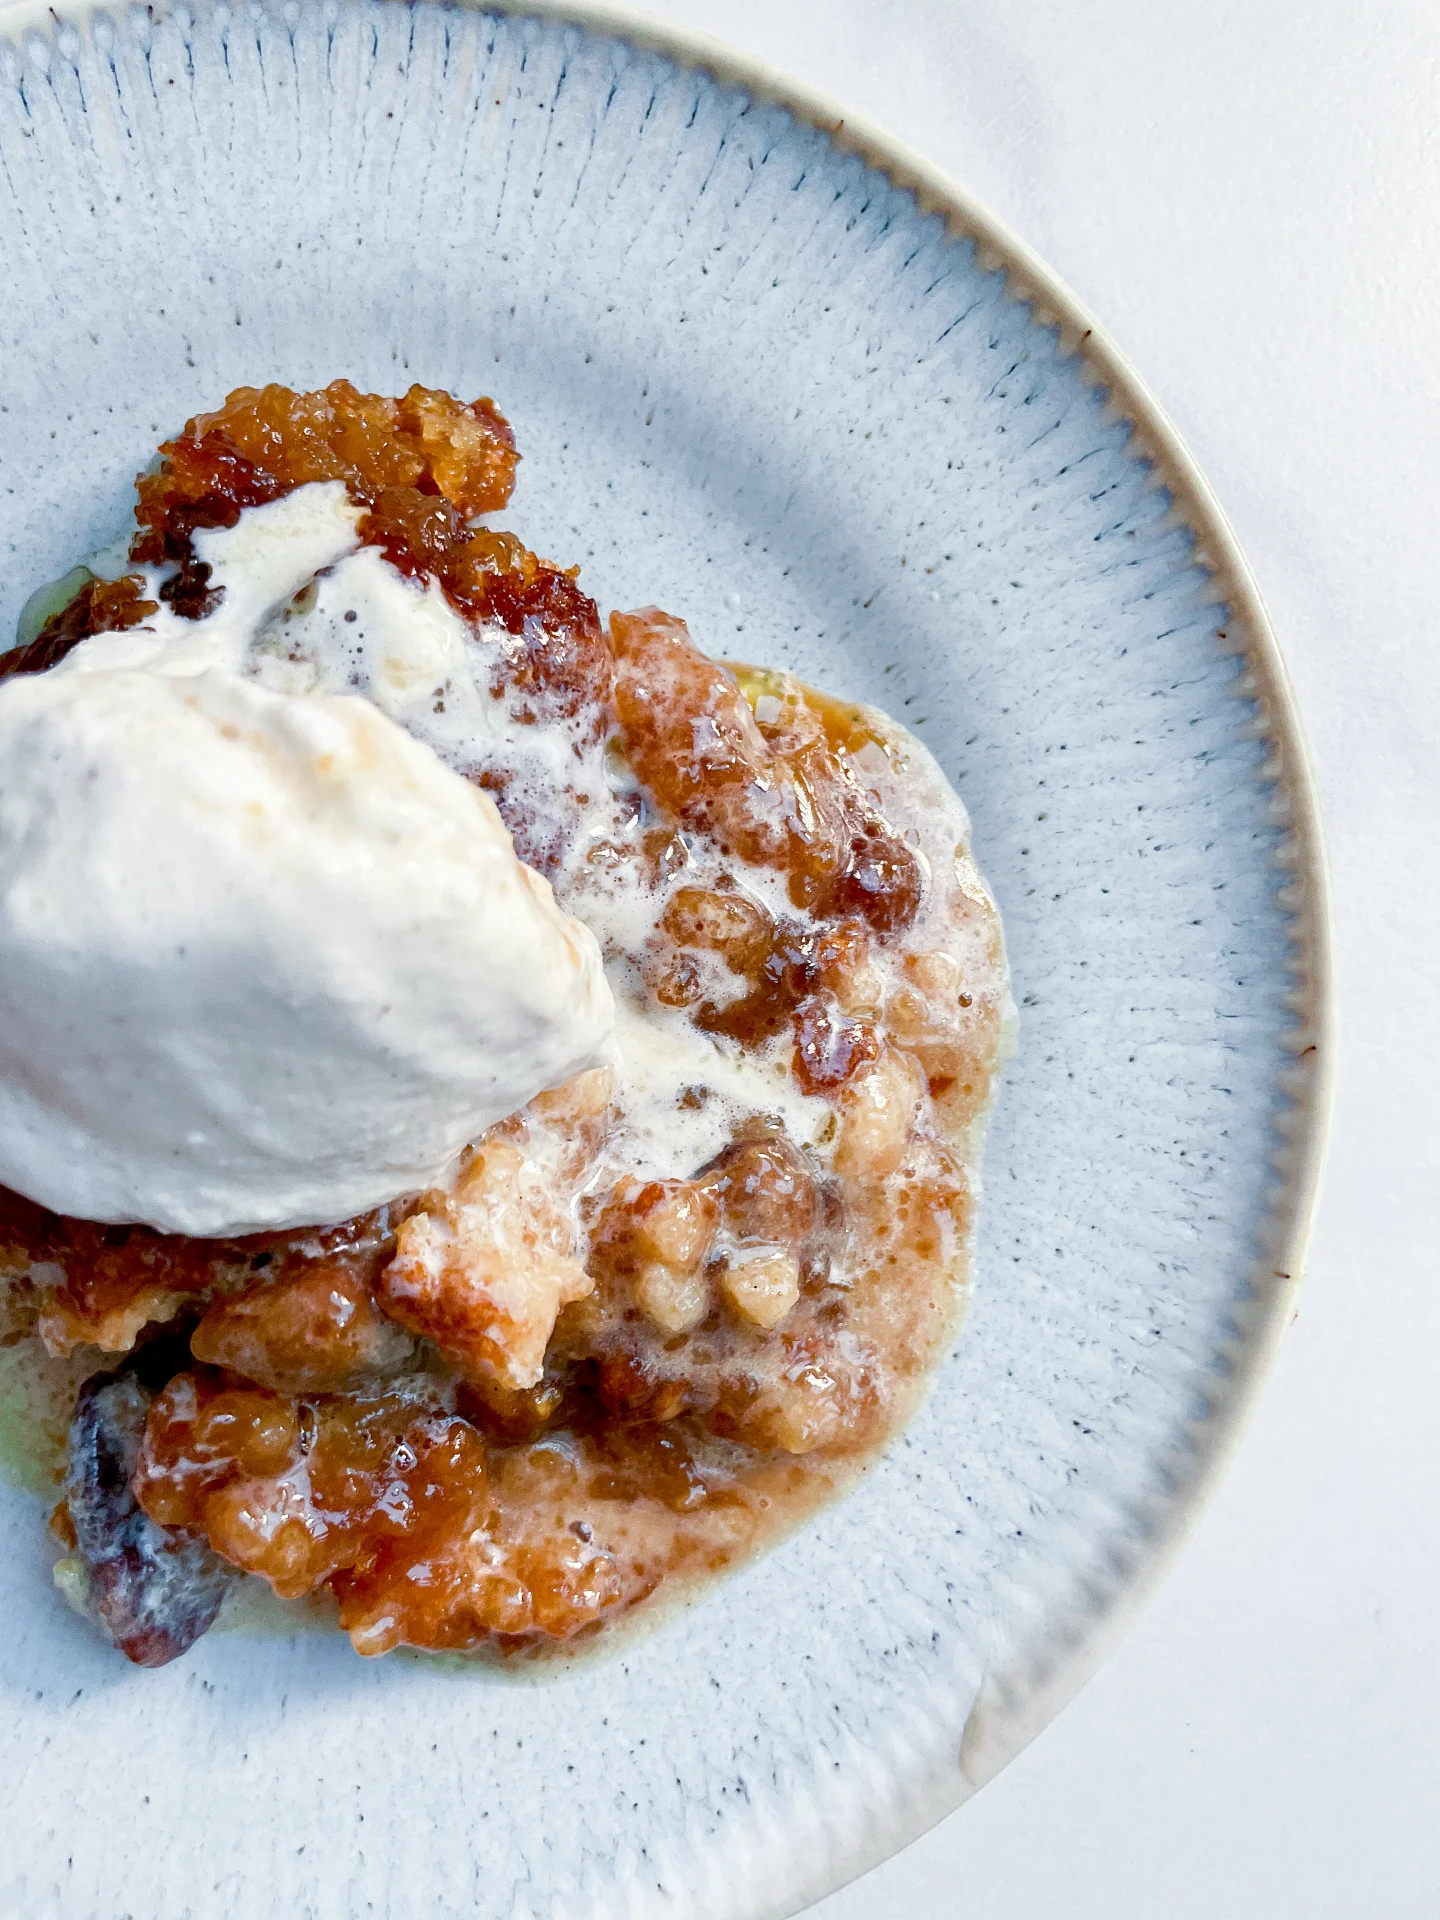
<point x="659" y="1285"/>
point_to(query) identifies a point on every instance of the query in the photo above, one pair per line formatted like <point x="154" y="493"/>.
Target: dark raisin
<point x="154" y="1592"/>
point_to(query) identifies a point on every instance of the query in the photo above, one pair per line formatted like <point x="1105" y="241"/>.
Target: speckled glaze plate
<point x="771" y="371"/>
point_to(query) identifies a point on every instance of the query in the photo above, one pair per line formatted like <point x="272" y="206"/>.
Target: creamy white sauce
<point x="683" y="1094"/>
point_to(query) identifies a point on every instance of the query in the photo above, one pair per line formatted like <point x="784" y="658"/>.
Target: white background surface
<point x="1249" y="197"/>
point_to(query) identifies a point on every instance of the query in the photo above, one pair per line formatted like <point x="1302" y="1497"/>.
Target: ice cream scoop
<point x="264" y="959"/>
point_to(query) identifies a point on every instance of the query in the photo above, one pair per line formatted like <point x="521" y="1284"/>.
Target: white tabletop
<point x="1248" y="193"/>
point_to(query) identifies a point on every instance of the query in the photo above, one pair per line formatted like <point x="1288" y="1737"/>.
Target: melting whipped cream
<point x="258" y="1080"/>
<point x="683" y="1094"/>
<point x="264" y="959"/>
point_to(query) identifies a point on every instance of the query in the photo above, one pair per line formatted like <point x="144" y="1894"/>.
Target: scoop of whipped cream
<point x="264" y="960"/>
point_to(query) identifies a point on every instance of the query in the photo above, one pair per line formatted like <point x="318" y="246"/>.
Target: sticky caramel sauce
<point x="506" y="1414"/>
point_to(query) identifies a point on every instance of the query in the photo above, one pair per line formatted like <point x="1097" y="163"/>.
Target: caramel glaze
<point x="734" y="1342"/>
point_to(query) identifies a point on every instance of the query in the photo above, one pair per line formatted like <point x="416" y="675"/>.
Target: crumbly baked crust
<point x="505" y="1413"/>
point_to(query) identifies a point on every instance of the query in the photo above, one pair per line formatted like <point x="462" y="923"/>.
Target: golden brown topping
<point x="811" y="981"/>
<point x="485" y="1270"/>
<point x="653" y="1236"/>
<point x="113" y="1324"/>
<point x="672" y="1221"/>
<point x="738" y="929"/>
<point x="201" y="482"/>
<point x="674" y="1299"/>
<point x="755" y="1224"/>
<point x="447" y="1421"/>
<point x="631" y="1382"/>
<point x="828" y="1047"/>
<point x="115" y="1280"/>
<point x="845" y="967"/>
<point x="576" y="1114"/>
<point x="101" y="606"/>
<point x="881" y="880"/>
<point x="765" y="1190"/>
<point x="298" y="1490"/>
<point x="319" y="1331"/>
<point x="104" y="1284"/>
<point x="543" y="1566"/>
<point x="579" y="1101"/>
<point x="819" y="1401"/>
<point x="510" y="1416"/>
<point x="396" y="1508"/>
<point x="787" y="802"/>
<point x="676" y="980"/>
<point x="466" y="1590"/>
<point x="692" y="740"/>
<point x="651" y="1463"/>
<point x="266" y="441"/>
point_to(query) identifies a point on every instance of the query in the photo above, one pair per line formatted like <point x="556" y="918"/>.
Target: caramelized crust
<point x="505" y="1411"/>
<point x="318" y="1330"/>
<point x="302" y="1490"/>
<point x="560" y="660"/>
<point x="485" y="1270"/>
<point x="425" y="1537"/>
<point x="265" y="441"/>
<point x="785" y="802"/>
<point x="116" y="1280"/>
<point x="101" y="606"/>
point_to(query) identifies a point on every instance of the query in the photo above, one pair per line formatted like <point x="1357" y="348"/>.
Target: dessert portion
<point x="489" y="1101"/>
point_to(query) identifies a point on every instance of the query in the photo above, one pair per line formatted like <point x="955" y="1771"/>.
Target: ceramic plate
<point x="769" y="371"/>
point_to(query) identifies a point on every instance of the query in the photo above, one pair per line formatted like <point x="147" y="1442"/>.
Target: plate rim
<point x="985" y="1744"/>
